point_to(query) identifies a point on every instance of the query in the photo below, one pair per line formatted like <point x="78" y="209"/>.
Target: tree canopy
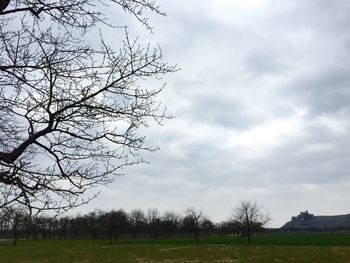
<point x="70" y="112"/>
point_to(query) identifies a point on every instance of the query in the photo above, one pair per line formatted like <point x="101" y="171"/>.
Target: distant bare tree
<point x="170" y="222"/>
<point x="154" y="222"/>
<point x="121" y="223"/>
<point x="70" y="113"/>
<point x="138" y="220"/>
<point x="192" y="222"/>
<point x="207" y="226"/>
<point x="13" y="220"/>
<point x="249" y="215"/>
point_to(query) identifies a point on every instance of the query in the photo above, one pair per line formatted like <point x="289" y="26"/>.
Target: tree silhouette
<point x="69" y="112"/>
<point x="249" y="215"/>
<point x="192" y="222"/>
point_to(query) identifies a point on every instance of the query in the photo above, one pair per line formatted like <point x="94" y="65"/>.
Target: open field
<point x="337" y="249"/>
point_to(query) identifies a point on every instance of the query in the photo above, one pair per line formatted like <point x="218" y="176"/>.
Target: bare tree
<point x="249" y="215"/>
<point x="13" y="220"/>
<point x="70" y="113"/>
<point x="192" y="222"/>
<point x="138" y="221"/>
<point x="170" y="222"/>
<point x="207" y="226"/>
<point x="154" y="222"/>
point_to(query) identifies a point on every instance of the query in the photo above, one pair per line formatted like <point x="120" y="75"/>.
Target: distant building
<point x="309" y="222"/>
<point x="303" y="216"/>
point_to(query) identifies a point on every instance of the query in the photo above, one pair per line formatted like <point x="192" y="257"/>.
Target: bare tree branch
<point x="70" y="113"/>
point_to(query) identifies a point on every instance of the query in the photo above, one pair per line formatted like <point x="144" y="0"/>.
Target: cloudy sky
<point x="261" y="108"/>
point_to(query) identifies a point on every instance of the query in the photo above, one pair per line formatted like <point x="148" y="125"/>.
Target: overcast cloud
<point x="261" y="105"/>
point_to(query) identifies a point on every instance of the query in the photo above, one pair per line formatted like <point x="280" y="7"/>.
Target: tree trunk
<point x="248" y="233"/>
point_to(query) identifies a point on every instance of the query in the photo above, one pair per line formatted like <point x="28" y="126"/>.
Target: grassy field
<point x="268" y="248"/>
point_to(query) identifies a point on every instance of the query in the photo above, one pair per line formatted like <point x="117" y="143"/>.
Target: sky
<point x="261" y="107"/>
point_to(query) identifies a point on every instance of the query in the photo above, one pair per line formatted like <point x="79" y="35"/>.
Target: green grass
<point x="302" y="239"/>
<point x="303" y="247"/>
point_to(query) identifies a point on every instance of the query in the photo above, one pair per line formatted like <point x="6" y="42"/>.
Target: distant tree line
<point x="121" y="225"/>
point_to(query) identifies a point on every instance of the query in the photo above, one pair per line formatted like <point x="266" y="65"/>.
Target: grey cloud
<point x="318" y="156"/>
<point x="327" y="17"/>
<point x="236" y="77"/>
<point x="325" y="92"/>
<point x="263" y="61"/>
<point x="218" y="109"/>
